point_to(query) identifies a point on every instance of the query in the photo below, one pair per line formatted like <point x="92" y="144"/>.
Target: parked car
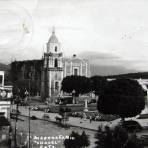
<point x="58" y="119"/>
<point x="46" y="117"/>
<point x="35" y="108"/>
<point x="33" y="118"/>
<point x="14" y="111"/>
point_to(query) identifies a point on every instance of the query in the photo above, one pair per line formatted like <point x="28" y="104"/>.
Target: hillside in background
<point x="138" y="75"/>
<point x="108" y="70"/>
<point x="105" y="64"/>
<point x="4" y="67"/>
<point x="111" y="66"/>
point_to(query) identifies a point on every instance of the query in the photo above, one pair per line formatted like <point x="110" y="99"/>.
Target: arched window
<point x="55" y="48"/>
<point x="56" y="85"/>
<point x="56" y="63"/>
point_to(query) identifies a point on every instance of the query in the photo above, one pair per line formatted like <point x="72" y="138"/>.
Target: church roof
<point x="75" y="59"/>
<point x="53" y="38"/>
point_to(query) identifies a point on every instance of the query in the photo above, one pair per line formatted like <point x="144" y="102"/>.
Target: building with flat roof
<point x="2" y="78"/>
<point x="5" y="108"/>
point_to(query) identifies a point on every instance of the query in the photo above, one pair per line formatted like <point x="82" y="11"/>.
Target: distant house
<point x="5" y="90"/>
<point x="5" y="108"/>
<point x="5" y="95"/>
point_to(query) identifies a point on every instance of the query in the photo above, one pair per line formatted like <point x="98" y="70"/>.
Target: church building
<point x="44" y="76"/>
<point x="56" y="67"/>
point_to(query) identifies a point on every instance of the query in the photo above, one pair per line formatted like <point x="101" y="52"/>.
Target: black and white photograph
<point x="73" y="74"/>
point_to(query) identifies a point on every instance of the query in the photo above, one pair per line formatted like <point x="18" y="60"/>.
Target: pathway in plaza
<point x="73" y="121"/>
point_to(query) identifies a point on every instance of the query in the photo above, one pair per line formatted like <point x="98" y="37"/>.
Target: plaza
<point x="40" y="128"/>
<point x="43" y="128"/>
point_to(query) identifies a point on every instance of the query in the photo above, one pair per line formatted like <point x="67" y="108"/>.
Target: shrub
<point x="77" y="141"/>
<point x="119" y="138"/>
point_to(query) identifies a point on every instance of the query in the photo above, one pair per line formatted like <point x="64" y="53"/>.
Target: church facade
<point x="56" y="67"/>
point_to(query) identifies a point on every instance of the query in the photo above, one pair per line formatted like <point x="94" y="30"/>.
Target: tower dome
<point x="53" y="38"/>
<point x="53" y="44"/>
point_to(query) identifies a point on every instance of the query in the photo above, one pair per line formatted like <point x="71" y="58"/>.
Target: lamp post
<point x="16" y="118"/>
<point x="85" y="107"/>
<point x="15" y="142"/>
<point x="29" y="79"/>
<point x="10" y="129"/>
<point x="29" y="111"/>
<point x="73" y="95"/>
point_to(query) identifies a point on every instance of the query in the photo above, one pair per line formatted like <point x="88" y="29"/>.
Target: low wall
<point x="73" y="107"/>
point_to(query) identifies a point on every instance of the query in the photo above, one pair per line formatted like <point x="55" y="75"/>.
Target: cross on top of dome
<point x="53" y="30"/>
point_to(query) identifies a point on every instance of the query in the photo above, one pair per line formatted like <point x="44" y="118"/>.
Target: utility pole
<point x="29" y="126"/>
<point x="29" y="112"/>
<point x="16" y="118"/>
<point x="10" y="129"/>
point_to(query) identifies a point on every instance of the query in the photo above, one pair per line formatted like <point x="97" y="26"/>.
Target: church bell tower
<point x="52" y="73"/>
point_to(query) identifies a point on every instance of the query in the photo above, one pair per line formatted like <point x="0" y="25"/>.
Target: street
<point x="41" y="128"/>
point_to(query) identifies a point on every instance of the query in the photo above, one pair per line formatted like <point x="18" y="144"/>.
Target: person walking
<point x="90" y="118"/>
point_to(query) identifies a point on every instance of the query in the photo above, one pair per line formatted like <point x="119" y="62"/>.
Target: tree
<point x="77" y="141"/>
<point x="64" y="114"/>
<point x="26" y="75"/>
<point x="119" y="138"/>
<point x="84" y="140"/>
<point x="97" y="84"/>
<point x="123" y="97"/>
<point x="80" y="84"/>
<point x="62" y="111"/>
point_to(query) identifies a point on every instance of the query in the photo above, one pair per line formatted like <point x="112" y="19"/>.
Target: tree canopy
<point x="123" y="97"/>
<point x="80" y="84"/>
<point x="97" y="84"/>
<point x="118" y="138"/>
<point x="77" y="141"/>
<point x="25" y="73"/>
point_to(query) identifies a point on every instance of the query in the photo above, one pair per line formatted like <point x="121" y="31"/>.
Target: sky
<point x="116" y="30"/>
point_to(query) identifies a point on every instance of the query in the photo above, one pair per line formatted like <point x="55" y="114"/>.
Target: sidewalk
<point x="73" y="121"/>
